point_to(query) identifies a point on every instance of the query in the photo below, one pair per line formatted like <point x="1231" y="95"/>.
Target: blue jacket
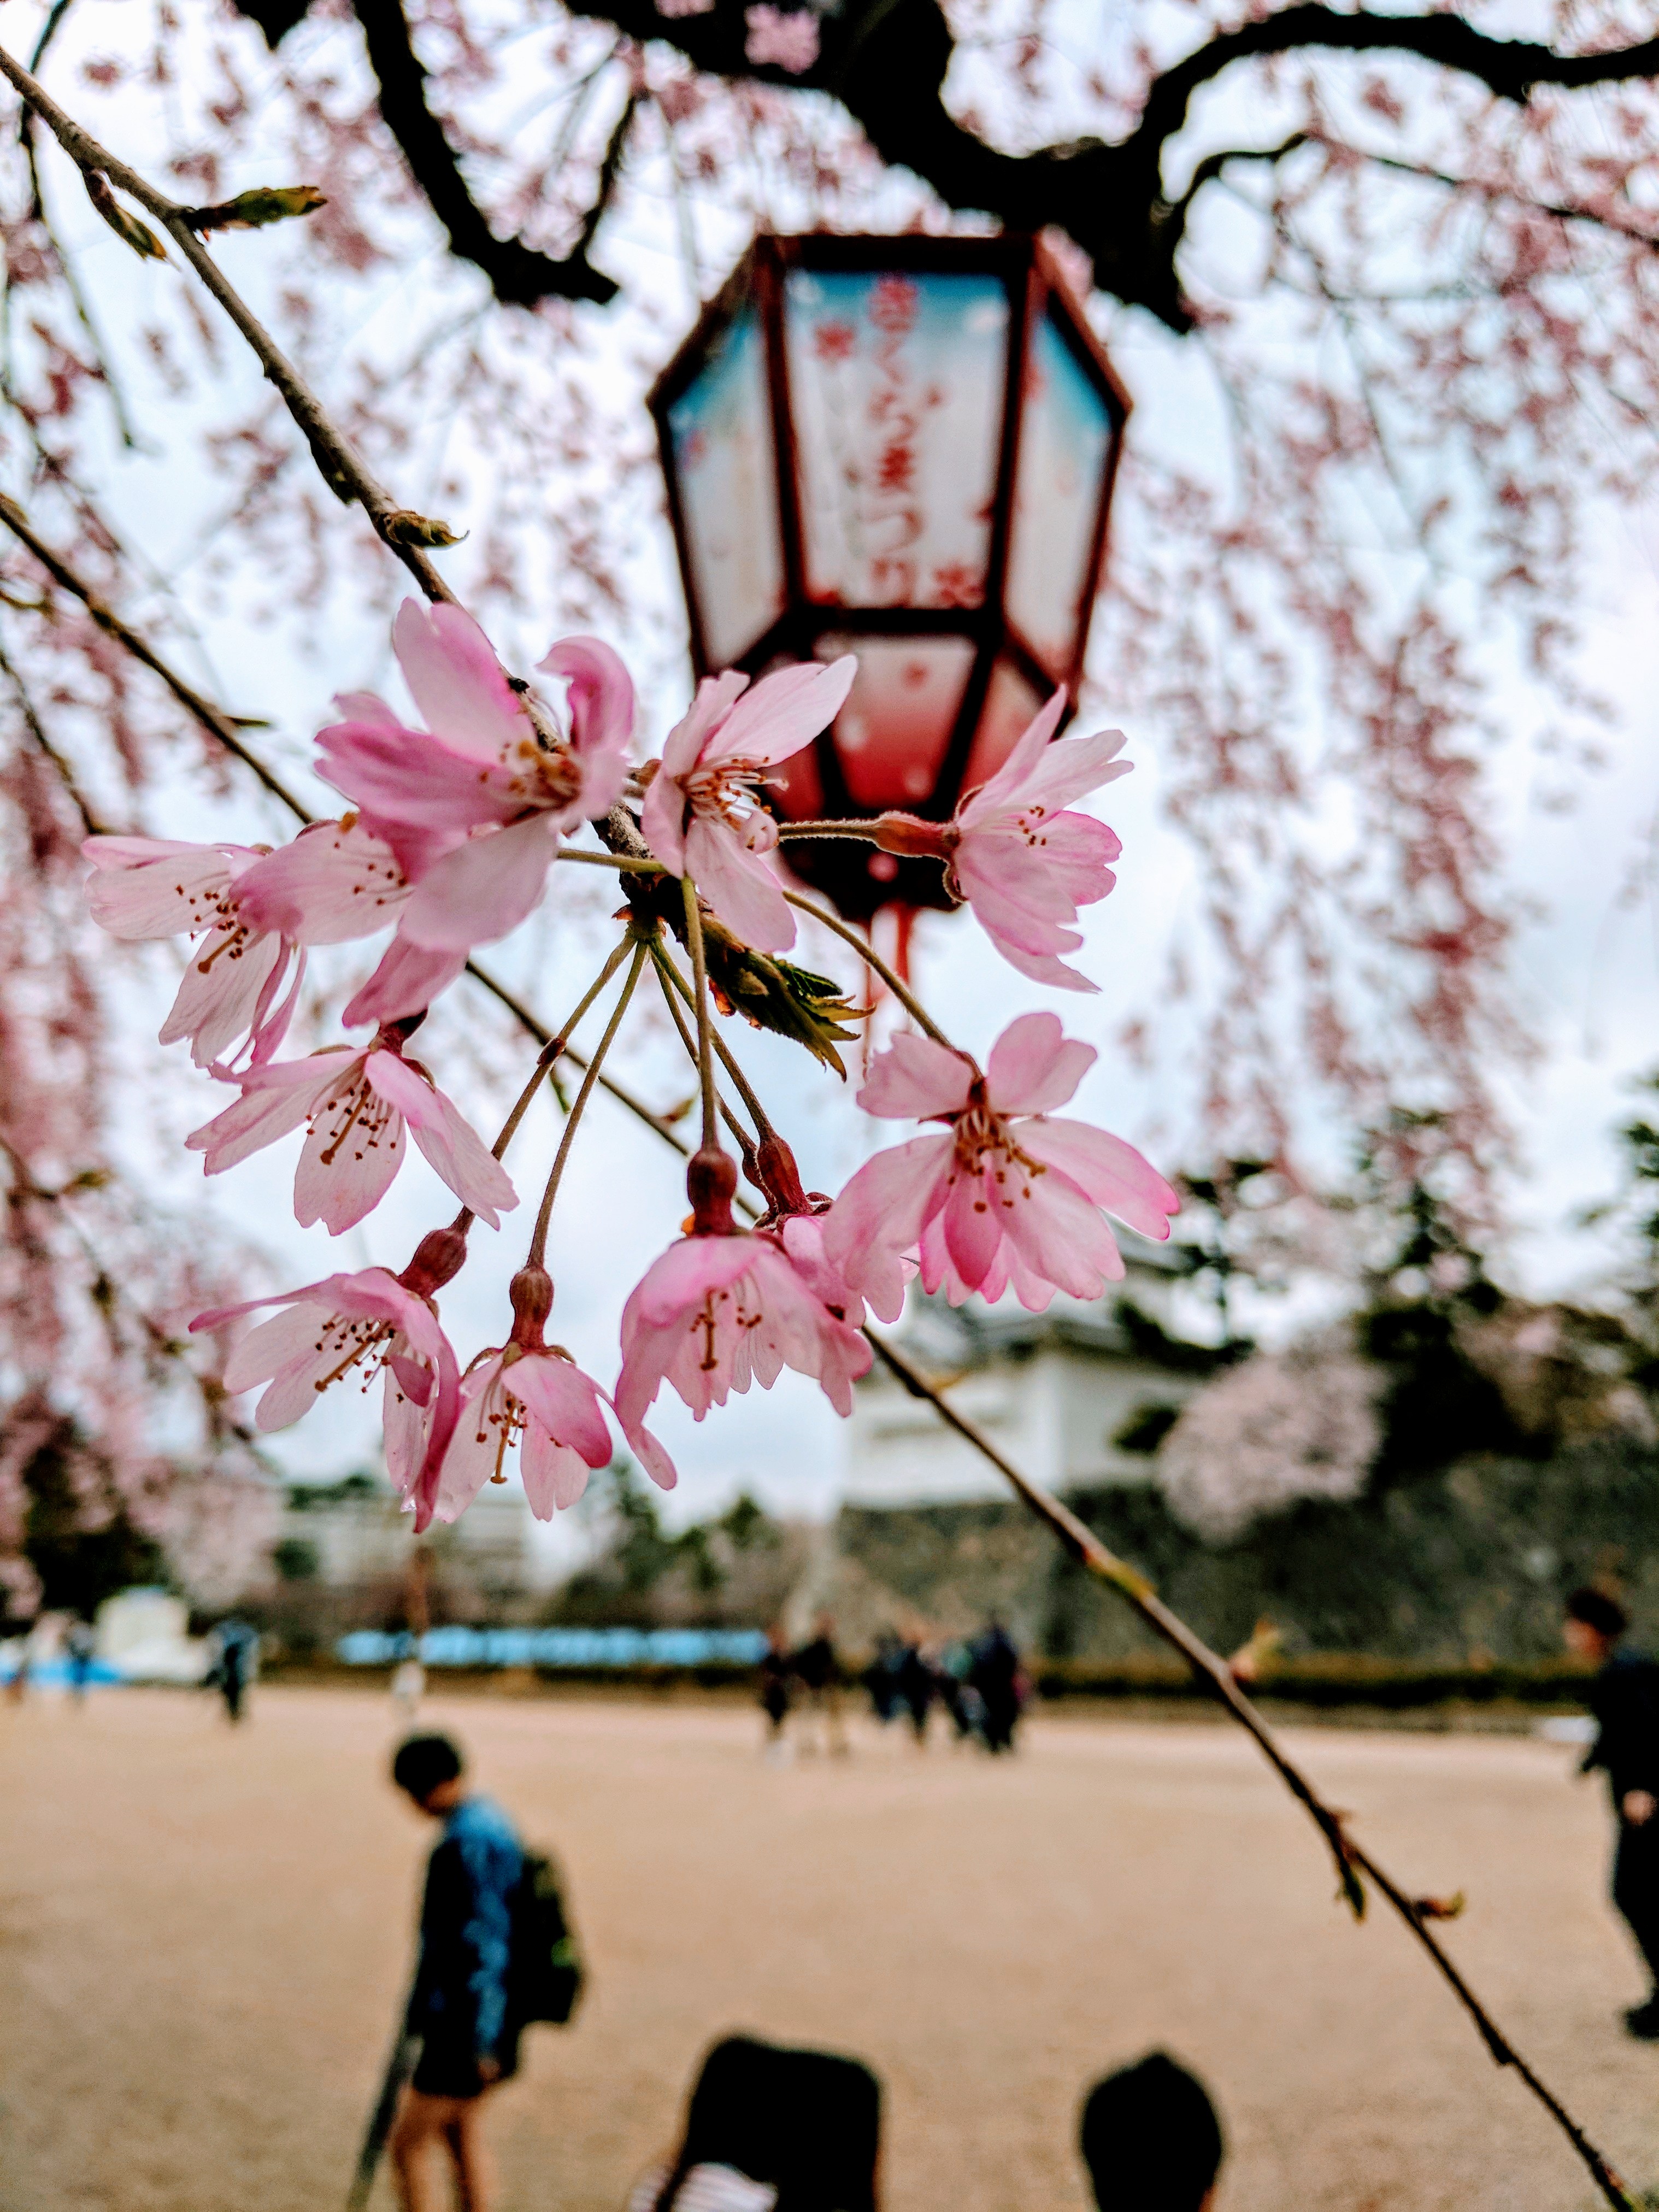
<point x="460" y="1991"/>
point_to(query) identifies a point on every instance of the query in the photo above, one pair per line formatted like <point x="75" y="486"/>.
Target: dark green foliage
<point x="624" y="1585"/>
<point x="1146" y="1428"/>
<point x="296" y="1560"/>
<point x="1435" y="1408"/>
<point x="77" y="1535"/>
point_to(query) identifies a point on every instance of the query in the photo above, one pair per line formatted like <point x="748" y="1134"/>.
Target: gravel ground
<point x="202" y="1939"/>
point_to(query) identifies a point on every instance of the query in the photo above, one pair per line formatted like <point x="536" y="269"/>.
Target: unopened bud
<point x="531" y="1293"/>
<point x="711" y="1180"/>
<point x="438" y="1258"/>
<point x="779" y="1178"/>
<point x="916" y="839"/>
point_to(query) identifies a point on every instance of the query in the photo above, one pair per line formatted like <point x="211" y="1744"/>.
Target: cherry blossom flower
<point x="407" y="980"/>
<point x="356" y="1104"/>
<point x="337" y="881"/>
<point x="787" y="38"/>
<point x="1023" y="863"/>
<point x="474" y="805"/>
<point x="1010" y="1196"/>
<point x="373" y="1322"/>
<point x="153" y="887"/>
<point x="716" y="1313"/>
<point x="701" y="815"/>
<point x="539" y="1395"/>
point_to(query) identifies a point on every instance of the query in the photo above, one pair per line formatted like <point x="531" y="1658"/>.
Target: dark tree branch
<point x="518" y="275"/>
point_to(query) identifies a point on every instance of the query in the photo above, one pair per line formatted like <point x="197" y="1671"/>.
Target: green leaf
<point x="251" y="211"/>
<point x="126" y="225"/>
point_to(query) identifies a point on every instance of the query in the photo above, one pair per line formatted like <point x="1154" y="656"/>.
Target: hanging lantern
<point x="903" y="448"/>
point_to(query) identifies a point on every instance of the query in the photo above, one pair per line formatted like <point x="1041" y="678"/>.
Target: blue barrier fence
<point x="557" y="1647"/>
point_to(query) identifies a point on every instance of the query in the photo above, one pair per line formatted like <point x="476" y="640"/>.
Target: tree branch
<point x="518" y="275"/>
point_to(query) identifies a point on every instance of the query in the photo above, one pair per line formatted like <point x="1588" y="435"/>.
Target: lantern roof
<point x="902" y="448"/>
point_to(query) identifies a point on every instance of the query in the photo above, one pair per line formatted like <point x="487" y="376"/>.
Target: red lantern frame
<point x="857" y="879"/>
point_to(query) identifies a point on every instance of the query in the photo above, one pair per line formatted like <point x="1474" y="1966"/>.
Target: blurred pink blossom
<point x="784" y="37"/>
<point x="1010" y="1196"/>
<point x="356" y="1104"/>
<point x="701" y="815"/>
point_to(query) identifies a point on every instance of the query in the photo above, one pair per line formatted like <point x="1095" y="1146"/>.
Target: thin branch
<point x="518" y="275"/>
<point x="89" y="820"/>
<point x="342" y="468"/>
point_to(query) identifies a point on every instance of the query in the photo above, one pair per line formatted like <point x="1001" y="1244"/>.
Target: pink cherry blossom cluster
<point x="453" y="831"/>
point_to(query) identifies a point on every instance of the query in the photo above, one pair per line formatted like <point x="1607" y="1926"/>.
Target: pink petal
<point x="266" y="1111"/>
<point x="682" y="1276"/>
<point x="482" y="889"/>
<point x="272" y="1345"/>
<point x="972" y="1228"/>
<point x="739" y="886"/>
<point x="683" y="746"/>
<point x="553" y="1475"/>
<point x="451" y="1144"/>
<point x="1007" y="785"/>
<point x="405" y="777"/>
<point x="783" y="712"/>
<point x="475" y="1445"/>
<point x="878" y="1218"/>
<point x="1060" y="1234"/>
<point x="455" y="679"/>
<point x="1070" y="769"/>
<point x="915" y="1078"/>
<point x="601" y="697"/>
<point x="407" y="980"/>
<point x="1033" y="1066"/>
<point x="331" y="885"/>
<point x="345" y="1171"/>
<point x="221" y="991"/>
<point x="147" y="887"/>
<point x="564" y="1401"/>
<point x="662" y="821"/>
<point x="1113" y="1174"/>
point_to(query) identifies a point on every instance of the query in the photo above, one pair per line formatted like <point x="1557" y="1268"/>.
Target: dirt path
<point x="202" y="1942"/>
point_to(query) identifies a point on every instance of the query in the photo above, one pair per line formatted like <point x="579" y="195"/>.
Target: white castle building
<point x="1055" y="1391"/>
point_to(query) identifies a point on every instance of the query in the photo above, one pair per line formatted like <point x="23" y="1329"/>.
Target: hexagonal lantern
<point x="905" y="448"/>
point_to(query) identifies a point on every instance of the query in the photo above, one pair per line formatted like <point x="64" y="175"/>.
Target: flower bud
<point x="711" y="1179"/>
<point x="531" y="1293"/>
<point x="779" y="1178"/>
<point x="438" y="1258"/>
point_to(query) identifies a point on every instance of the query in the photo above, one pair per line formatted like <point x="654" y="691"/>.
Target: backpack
<point x="545" y="1970"/>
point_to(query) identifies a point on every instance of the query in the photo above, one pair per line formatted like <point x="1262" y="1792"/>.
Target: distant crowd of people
<point x="977" y="1682"/>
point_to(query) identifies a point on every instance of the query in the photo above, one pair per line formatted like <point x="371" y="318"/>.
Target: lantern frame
<point x="1037" y="291"/>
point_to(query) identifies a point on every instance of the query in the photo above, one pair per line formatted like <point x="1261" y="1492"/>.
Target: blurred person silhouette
<point x="772" y="2129"/>
<point x="881" y="1676"/>
<point x="460" y="2006"/>
<point x="995" y="1675"/>
<point x="773" y="1675"/>
<point x="1150" y="2139"/>
<point x="817" y="1667"/>
<point x="235" y="1649"/>
<point x="1623" y="1698"/>
<point x="917" y="1687"/>
<point x="80" y="1650"/>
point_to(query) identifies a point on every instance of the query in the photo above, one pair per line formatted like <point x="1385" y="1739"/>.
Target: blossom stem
<point x="579" y="1106"/>
<point x="744" y="1142"/>
<point x="670" y="975"/>
<point x="711" y="1135"/>
<point x="868" y="954"/>
<point x="626" y="861"/>
<point x="551" y="1050"/>
<point x="866" y="831"/>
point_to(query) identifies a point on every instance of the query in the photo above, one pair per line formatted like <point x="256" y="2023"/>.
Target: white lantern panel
<point x="898" y="389"/>
<point x="1065" y="441"/>
<point x="892" y="735"/>
<point x="1011" y="706"/>
<point x="726" y="465"/>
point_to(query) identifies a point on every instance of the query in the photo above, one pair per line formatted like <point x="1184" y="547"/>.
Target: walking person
<point x="1624" y="1701"/>
<point x="818" y="1670"/>
<point x="995" y="1675"/>
<point x="80" y="1650"/>
<point x="775" y="1669"/>
<point x="235" y="1659"/>
<point x="460" y="2007"/>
